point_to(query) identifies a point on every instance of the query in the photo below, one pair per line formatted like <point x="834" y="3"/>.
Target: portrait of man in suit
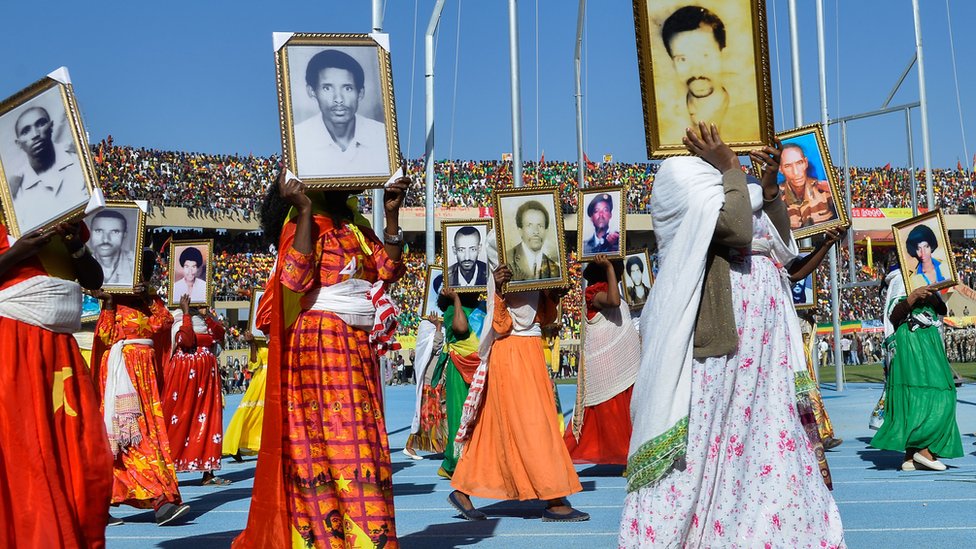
<point x="527" y="259"/>
<point x="468" y="268"/>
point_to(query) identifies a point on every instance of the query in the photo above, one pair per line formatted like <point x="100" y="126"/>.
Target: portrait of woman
<point x="920" y="245"/>
<point x="924" y="252"/>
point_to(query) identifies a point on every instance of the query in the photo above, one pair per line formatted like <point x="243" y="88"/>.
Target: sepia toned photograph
<point x="601" y="223"/>
<point x="337" y="111"/>
<point x="432" y="288"/>
<point x="189" y="272"/>
<point x="252" y="320"/>
<point x="805" y="291"/>
<point x="809" y="184"/>
<point x="924" y="252"/>
<point x="530" y="238"/>
<point x="707" y="62"/>
<point x="465" y="254"/>
<point x="116" y="243"/>
<point x="46" y="174"/>
<point x="637" y="279"/>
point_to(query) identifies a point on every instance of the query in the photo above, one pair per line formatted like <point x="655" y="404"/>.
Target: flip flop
<point x="215" y="481"/>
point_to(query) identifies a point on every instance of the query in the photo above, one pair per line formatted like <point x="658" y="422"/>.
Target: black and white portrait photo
<point x="637" y="279"/>
<point x="189" y="263"/>
<point x="704" y="61"/>
<point x="252" y="319"/>
<point x="43" y="176"/>
<point x="601" y="225"/>
<point x="340" y="117"/>
<point x="530" y="237"/>
<point x="432" y="288"/>
<point x="465" y="254"/>
<point x="116" y="244"/>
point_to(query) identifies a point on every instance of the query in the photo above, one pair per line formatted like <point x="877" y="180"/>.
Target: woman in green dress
<point x="920" y="408"/>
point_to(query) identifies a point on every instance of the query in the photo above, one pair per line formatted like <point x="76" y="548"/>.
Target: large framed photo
<point x="433" y="283"/>
<point x="190" y="272"/>
<point x="338" y="117"/>
<point x="530" y="238"/>
<point x="465" y="253"/>
<point x="638" y="278"/>
<point x="603" y="228"/>
<point x="924" y="252"/>
<point x="116" y="242"/>
<point x="252" y="319"/>
<point x="808" y="183"/>
<point x="707" y="62"/>
<point x="46" y="173"/>
<point x="805" y="291"/>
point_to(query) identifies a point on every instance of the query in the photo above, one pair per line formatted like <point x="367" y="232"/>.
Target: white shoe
<point x="409" y="453"/>
<point x="908" y="465"/>
<point x="932" y="464"/>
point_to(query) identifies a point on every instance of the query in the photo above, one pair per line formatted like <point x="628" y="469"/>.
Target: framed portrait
<point x="46" y="172"/>
<point x="924" y="252"/>
<point x="805" y="291"/>
<point x="432" y="288"/>
<point x="465" y="252"/>
<point x="190" y="272"/>
<point x="116" y="242"/>
<point x="529" y="223"/>
<point x="808" y="183"/>
<point x="336" y="108"/>
<point x="638" y="278"/>
<point x="707" y="62"/>
<point x="91" y="307"/>
<point x="252" y="320"/>
<point x="601" y="223"/>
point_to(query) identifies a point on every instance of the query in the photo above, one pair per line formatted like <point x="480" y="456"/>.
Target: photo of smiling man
<point x="188" y="272"/>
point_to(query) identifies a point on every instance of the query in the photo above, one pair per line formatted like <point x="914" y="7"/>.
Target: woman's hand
<point x="29" y="244"/>
<point x="707" y="144"/>
<point x="293" y="192"/>
<point x="768" y="159"/>
<point x="502" y="276"/>
<point x="919" y="294"/>
<point x="833" y="236"/>
<point x="448" y="292"/>
<point x="394" y="193"/>
<point x="601" y="261"/>
<point x="185" y="304"/>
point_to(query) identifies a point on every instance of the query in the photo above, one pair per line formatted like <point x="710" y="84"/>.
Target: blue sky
<point x="199" y="76"/>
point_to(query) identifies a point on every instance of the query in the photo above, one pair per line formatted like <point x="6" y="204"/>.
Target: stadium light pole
<point x="922" y="99"/>
<point x="378" y="193"/>
<point x="580" y="164"/>
<point x="435" y="18"/>
<point x="513" y="46"/>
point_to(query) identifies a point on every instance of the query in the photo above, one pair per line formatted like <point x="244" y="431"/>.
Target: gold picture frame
<point x="451" y="266"/>
<point x="176" y="248"/>
<point x="630" y="290"/>
<point x="257" y="293"/>
<point x="674" y="77"/>
<point x="932" y="227"/>
<point x="618" y="220"/>
<point x="809" y="142"/>
<point x="810" y="281"/>
<point x="69" y="149"/>
<point x="431" y="291"/>
<point x="507" y="205"/>
<point x="306" y="144"/>
<point x="132" y="242"/>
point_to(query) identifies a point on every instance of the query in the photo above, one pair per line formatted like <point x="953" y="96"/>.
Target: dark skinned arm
<point x="801" y="268"/>
<point x="609" y="299"/>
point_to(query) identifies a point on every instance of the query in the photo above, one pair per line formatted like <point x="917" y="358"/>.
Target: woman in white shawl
<point x="718" y="456"/>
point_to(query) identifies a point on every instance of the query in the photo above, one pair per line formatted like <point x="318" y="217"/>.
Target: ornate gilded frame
<point x="140" y="239"/>
<point x="445" y="242"/>
<point x="285" y="108"/>
<point x="657" y="149"/>
<point x="813" y="284"/>
<point x="650" y="275"/>
<point x="79" y="138"/>
<point x="542" y="194"/>
<point x="173" y="301"/>
<point x="428" y="278"/>
<point x="620" y="206"/>
<point x="256" y="293"/>
<point x="900" y="231"/>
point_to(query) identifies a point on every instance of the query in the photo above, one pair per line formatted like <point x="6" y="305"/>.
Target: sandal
<point x="214" y="480"/>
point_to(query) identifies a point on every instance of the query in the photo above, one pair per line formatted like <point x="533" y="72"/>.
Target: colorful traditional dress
<point x="243" y="434"/>
<point x="192" y="400"/>
<point x="458" y="363"/>
<point x="601" y="424"/>
<point x="824" y="427"/>
<point x="55" y="462"/>
<point x="144" y="474"/>
<point x="324" y="477"/>
<point x="428" y="430"/>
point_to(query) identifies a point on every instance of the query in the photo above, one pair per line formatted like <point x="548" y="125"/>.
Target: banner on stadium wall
<point x="447" y="213"/>
<point x="850" y="327"/>
<point x="884" y="213"/>
<point x="959" y="321"/>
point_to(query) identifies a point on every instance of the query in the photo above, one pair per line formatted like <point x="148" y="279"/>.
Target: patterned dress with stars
<point x="192" y="399"/>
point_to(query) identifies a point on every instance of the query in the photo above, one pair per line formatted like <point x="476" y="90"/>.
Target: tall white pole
<point x="926" y="152"/>
<point x="378" y="193"/>
<point x="513" y="46"/>
<point x="911" y="161"/>
<point x="429" y="227"/>
<point x="795" y="56"/>
<point x="581" y="164"/>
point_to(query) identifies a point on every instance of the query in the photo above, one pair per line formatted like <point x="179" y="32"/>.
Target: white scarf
<point x="199" y="327"/>
<point x="44" y="301"/>
<point x="894" y="294"/>
<point x="688" y="195"/>
<point x="121" y="401"/>
<point x="426" y="342"/>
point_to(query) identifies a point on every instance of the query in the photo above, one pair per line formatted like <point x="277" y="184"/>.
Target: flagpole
<point x="923" y="100"/>
<point x="513" y="46"/>
<point x="580" y="164"/>
<point x="378" y="193"/>
<point x="430" y="228"/>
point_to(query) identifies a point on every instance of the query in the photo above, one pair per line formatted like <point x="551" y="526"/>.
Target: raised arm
<point x="734" y="225"/>
<point x="609" y="299"/>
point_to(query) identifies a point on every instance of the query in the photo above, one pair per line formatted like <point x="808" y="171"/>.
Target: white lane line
<point x="919" y="529"/>
<point x="874" y="501"/>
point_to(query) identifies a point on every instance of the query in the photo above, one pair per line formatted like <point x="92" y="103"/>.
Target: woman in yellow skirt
<point x="243" y="435"/>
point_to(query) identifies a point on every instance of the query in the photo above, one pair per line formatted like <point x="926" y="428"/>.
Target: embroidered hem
<point x="657" y="457"/>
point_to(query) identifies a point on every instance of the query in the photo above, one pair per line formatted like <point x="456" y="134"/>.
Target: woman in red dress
<point x="192" y="403"/>
<point x="55" y="463"/>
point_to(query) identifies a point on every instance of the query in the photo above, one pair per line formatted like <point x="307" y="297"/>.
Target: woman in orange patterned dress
<point x="55" y="463"/>
<point x="324" y="477"/>
<point x="144" y="474"/>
